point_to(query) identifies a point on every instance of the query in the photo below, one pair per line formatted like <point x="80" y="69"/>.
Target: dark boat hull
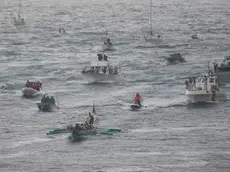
<point x="46" y="107"/>
<point x="135" y="106"/>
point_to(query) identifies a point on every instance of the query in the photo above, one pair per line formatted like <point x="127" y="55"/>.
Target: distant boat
<point x="222" y="71"/>
<point x="151" y="37"/>
<point x="204" y="89"/>
<point x="101" y="70"/>
<point x="18" y="20"/>
<point x="194" y="36"/>
<point x="108" y="45"/>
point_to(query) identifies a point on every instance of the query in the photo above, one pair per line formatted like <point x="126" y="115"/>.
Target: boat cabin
<point x="206" y="82"/>
<point x="101" y="67"/>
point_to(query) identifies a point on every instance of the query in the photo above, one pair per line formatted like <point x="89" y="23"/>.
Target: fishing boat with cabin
<point x="204" y="89"/>
<point x="101" y="70"/>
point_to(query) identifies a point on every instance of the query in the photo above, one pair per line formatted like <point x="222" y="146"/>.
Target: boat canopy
<point x="100" y="64"/>
<point x="206" y="83"/>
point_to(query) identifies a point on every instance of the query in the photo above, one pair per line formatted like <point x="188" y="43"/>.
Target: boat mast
<point x="150" y="19"/>
<point x="19" y="10"/>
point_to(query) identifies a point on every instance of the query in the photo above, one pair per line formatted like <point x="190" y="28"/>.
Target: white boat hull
<point x="204" y="96"/>
<point x="30" y="92"/>
<point x="93" y="77"/>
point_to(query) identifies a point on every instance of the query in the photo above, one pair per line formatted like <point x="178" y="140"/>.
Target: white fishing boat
<point x="151" y="37"/>
<point x="101" y="70"/>
<point x="204" y="89"/>
<point x="19" y="20"/>
<point x="222" y="71"/>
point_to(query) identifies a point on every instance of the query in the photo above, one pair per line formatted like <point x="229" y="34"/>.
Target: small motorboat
<point x="19" y="21"/>
<point x="137" y="104"/>
<point x="204" y="89"/>
<point x="175" y="58"/>
<point x="222" y="71"/>
<point x="108" y="45"/>
<point x="32" y="89"/>
<point x="194" y="36"/>
<point x="47" y="104"/>
<point x="89" y="127"/>
<point x="101" y="70"/>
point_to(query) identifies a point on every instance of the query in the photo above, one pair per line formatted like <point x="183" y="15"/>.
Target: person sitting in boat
<point x="105" y="57"/>
<point x="187" y="84"/>
<point x="43" y="99"/>
<point x="47" y="99"/>
<point x="104" y="70"/>
<point x="99" y="55"/>
<point x="77" y="127"/>
<point x="110" y="69"/>
<point x="52" y="100"/>
<point x="115" y="70"/>
<point x="27" y="83"/>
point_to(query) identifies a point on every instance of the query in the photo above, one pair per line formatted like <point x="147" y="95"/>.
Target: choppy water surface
<point x="169" y="135"/>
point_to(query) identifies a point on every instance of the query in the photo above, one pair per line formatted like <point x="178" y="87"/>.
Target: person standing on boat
<point x="91" y="119"/>
<point x="105" y="57"/>
<point x="109" y="41"/>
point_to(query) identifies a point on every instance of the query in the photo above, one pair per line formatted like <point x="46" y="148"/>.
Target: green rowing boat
<point x="102" y="131"/>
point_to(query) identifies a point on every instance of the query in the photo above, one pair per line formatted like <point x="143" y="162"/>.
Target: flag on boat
<point x="94" y="110"/>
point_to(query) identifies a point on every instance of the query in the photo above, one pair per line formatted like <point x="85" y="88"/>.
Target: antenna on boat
<point x="150" y="18"/>
<point x="106" y="33"/>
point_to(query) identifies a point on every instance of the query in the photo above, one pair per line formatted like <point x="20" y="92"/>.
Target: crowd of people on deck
<point x="111" y="70"/>
<point x="102" y="57"/>
<point x="102" y="69"/>
<point x="48" y="100"/>
<point x="88" y="125"/>
<point x="191" y="83"/>
<point x="35" y="85"/>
